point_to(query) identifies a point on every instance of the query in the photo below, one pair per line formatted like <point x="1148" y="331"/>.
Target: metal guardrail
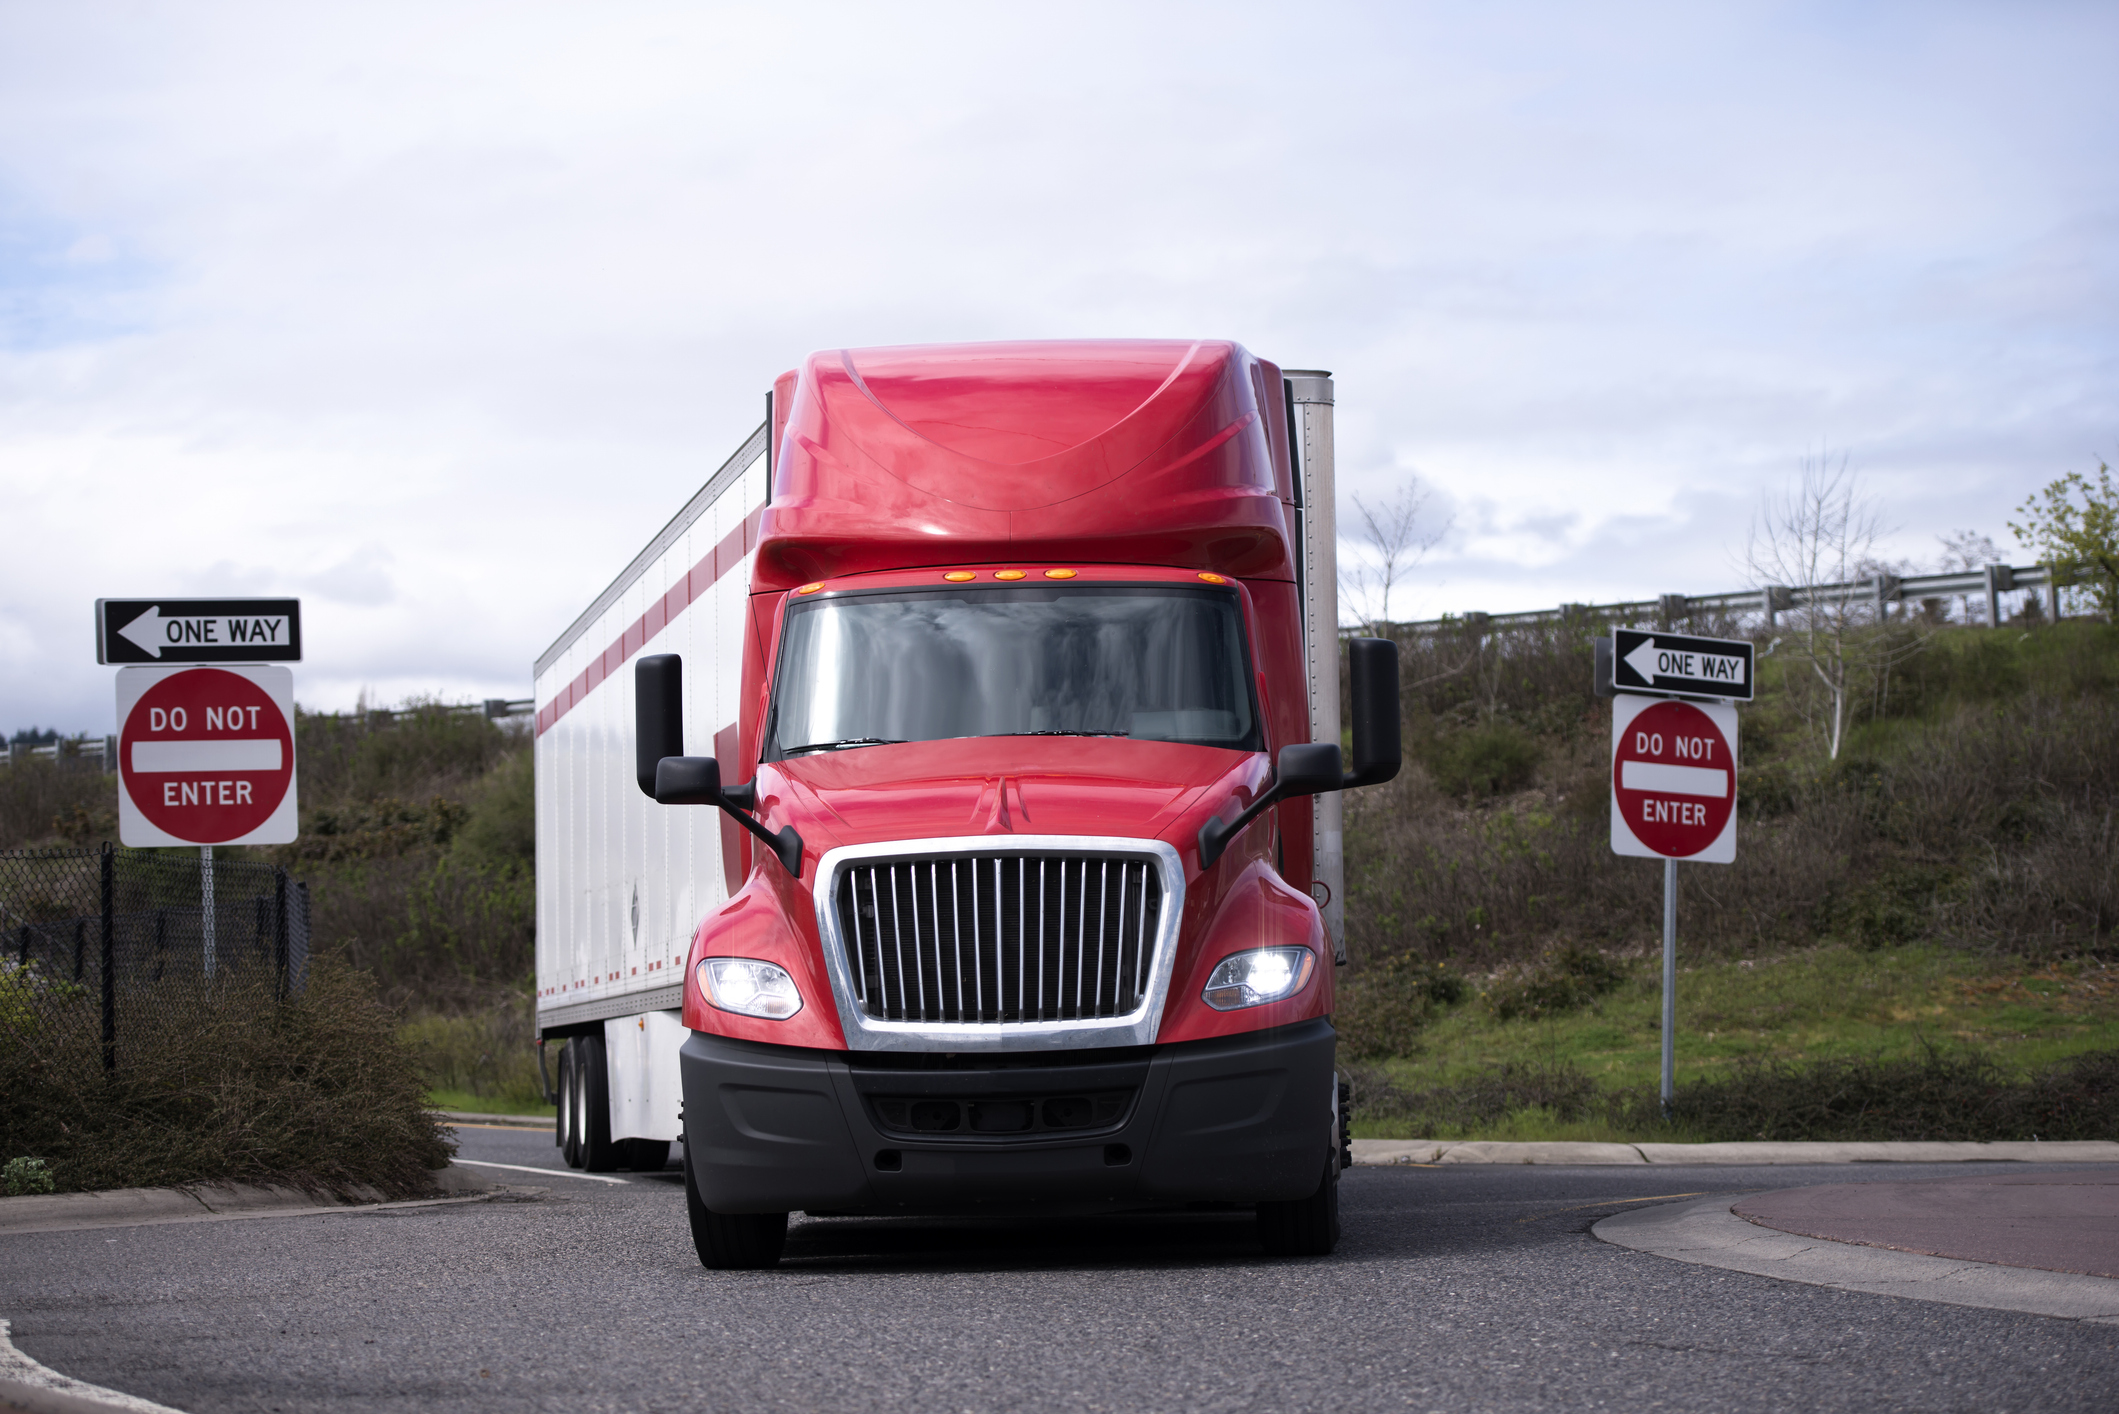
<point x="103" y="750"/>
<point x="1770" y="601"/>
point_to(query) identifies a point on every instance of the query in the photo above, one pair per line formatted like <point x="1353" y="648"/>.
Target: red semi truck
<point x="1011" y="882"/>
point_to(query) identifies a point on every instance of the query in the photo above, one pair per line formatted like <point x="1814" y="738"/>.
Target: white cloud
<point x="433" y="313"/>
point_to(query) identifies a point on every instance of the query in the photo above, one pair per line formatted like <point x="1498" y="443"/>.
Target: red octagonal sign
<point x="206" y="756"/>
<point x="1673" y="779"/>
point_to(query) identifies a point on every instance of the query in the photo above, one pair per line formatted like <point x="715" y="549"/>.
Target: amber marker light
<point x="1007" y="574"/>
<point x="1213" y="578"/>
<point x="810" y="588"/>
<point x="959" y="576"/>
<point x="1059" y="574"/>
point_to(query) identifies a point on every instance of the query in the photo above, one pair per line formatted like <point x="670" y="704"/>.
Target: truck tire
<point x="592" y="1122"/>
<point x="1307" y="1227"/>
<point x="732" y="1241"/>
<point x="647" y="1155"/>
<point x="569" y="1109"/>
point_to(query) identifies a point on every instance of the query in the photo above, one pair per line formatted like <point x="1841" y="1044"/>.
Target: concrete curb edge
<point x="1390" y="1152"/>
<point x="32" y="1388"/>
<point x="215" y="1202"/>
<point x="1706" y="1233"/>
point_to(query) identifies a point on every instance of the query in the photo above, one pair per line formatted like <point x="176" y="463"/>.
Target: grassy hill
<point x="1943" y="893"/>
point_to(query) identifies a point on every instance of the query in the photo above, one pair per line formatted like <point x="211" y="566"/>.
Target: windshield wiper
<point x="1052" y="732"/>
<point x="836" y="745"/>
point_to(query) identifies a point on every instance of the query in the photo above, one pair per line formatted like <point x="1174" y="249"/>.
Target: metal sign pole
<point x="206" y="904"/>
<point x="1670" y="979"/>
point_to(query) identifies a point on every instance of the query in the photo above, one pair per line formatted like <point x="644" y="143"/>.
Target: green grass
<point x="470" y="1102"/>
<point x="1825" y="1003"/>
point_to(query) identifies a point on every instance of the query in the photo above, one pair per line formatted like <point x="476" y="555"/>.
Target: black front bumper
<point x="1246" y="1119"/>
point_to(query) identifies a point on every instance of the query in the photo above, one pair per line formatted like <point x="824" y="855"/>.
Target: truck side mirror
<point x="1309" y="768"/>
<point x="688" y="780"/>
<point x="1372" y="680"/>
<point x="658" y="717"/>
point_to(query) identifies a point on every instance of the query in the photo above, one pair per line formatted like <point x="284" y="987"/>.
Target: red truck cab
<point x="1025" y="907"/>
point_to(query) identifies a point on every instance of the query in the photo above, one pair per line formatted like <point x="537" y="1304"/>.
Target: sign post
<point x="206" y="736"/>
<point x="1673" y="774"/>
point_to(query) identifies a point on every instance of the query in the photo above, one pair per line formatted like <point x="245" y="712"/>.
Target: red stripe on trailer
<point x="689" y="587"/>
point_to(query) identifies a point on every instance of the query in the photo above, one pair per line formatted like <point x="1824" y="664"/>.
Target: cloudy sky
<point x="433" y="313"/>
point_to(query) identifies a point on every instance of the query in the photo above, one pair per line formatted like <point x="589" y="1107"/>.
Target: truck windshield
<point x="1152" y="663"/>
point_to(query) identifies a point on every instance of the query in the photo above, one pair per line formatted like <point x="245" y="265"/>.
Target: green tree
<point x="2080" y="541"/>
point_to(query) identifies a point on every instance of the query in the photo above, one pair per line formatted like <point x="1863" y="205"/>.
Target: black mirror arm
<point x="1214" y="836"/>
<point x="685" y="780"/>
<point x="1373" y="776"/>
<point x="786" y="845"/>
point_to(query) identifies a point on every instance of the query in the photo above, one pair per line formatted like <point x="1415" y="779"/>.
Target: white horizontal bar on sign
<point x="206" y="755"/>
<point x="1672" y="780"/>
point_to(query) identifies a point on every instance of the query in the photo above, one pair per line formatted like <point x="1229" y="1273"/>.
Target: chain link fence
<point x="104" y="950"/>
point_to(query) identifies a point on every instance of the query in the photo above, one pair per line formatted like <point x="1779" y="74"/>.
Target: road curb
<point x="1393" y="1152"/>
<point x="216" y="1202"/>
<point x="32" y="1388"/>
<point x="1706" y="1233"/>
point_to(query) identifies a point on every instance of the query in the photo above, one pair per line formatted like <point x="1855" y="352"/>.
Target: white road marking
<point x="525" y="1168"/>
<point x="17" y="1368"/>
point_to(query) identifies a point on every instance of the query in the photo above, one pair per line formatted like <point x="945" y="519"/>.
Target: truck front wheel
<point x="732" y="1241"/>
<point x="1307" y="1227"/>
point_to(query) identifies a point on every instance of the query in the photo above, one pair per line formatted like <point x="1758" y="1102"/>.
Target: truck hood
<point x="1000" y="786"/>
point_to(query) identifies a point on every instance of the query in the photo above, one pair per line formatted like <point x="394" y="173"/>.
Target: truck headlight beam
<point x="748" y="987"/>
<point x="1259" y="976"/>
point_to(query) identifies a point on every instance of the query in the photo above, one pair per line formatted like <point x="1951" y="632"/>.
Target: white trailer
<point x="622" y="882"/>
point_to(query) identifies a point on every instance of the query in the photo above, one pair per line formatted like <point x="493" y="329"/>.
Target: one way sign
<point x="1677" y="664"/>
<point x="198" y="630"/>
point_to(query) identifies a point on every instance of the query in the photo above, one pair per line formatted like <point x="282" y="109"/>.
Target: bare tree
<point x="1967" y="550"/>
<point x="1824" y="532"/>
<point x="1397" y="538"/>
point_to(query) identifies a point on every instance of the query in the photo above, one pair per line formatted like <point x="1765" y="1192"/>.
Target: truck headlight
<point x="748" y="987"/>
<point x="1259" y="976"/>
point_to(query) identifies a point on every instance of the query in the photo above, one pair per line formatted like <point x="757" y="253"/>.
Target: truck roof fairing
<point x="1114" y="451"/>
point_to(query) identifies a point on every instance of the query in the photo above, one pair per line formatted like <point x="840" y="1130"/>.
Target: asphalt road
<point x="1455" y="1288"/>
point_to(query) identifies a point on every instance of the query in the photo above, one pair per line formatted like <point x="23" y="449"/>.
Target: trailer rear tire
<point x="732" y="1241"/>
<point x="592" y="1121"/>
<point x="1307" y="1227"/>
<point x="568" y="1130"/>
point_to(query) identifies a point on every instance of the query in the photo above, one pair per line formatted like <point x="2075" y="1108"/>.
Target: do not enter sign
<point x="1673" y="780"/>
<point x="206" y="756"/>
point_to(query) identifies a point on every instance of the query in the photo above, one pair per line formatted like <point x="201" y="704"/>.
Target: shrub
<point x="488" y="1053"/>
<point x="44" y="800"/>
<point x="1383" y="1008"/>
<point x="1564" y="979"/>
<point x="1938" y="1095"/>
<point x="315" y="1091"/>
<point x="1492" y="758"/>
<point x="1561" y="1090"/>
<point x="24" y="1176"/>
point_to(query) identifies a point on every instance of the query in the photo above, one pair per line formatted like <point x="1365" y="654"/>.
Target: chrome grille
<point x="992" y="938"/>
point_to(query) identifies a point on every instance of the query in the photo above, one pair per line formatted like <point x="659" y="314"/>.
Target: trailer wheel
<point x="592" y="1122"/>
<point x="1307" y="1227"/>
<point x="732" y="1241"/>
<point x="567" y="1132"/>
